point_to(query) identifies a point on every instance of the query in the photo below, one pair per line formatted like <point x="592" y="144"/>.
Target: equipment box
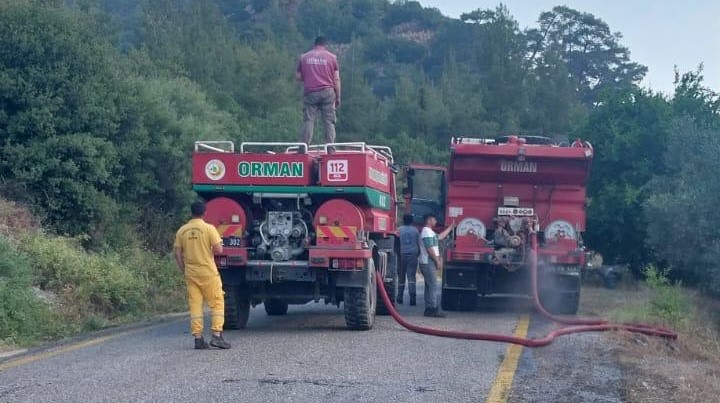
<point x="362" y="168"/>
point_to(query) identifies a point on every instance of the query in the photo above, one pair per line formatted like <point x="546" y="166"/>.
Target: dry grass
<point x="687" y="370"/>
<point x="15" y="220"/>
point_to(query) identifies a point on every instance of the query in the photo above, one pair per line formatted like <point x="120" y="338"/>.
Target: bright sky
<point x="659" y="33"/>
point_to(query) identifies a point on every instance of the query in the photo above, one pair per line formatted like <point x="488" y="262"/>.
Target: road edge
<point x="51" y="349"/>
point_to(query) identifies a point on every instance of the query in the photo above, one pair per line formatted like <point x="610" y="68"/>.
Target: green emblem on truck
<point x="270" y="169"/>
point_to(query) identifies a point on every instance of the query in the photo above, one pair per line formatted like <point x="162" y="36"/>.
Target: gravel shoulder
<point x="576" y="368"/>
<point x="622" y="367"/>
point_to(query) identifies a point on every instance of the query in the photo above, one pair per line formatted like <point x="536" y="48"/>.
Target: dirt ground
<point x="655" y="370"/>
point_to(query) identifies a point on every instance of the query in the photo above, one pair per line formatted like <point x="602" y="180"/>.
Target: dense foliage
<point x="51" y="287"/>
<point x="100" y="101"/>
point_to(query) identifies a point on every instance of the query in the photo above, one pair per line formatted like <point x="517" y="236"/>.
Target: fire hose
<point x="577" y="325"/>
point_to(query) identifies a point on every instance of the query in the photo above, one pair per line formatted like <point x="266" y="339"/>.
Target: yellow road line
<point x="502" y="385"/>
<point x="87" y="343"/>
<point x="62" y="350"/>
<point x="83" y="344"/>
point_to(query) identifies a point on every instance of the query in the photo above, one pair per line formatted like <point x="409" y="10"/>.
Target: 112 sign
<point x="337" y="170"/>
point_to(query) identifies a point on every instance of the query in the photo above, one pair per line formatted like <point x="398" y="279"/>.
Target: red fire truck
<point x="496" y="190"/>
<point x="301" y="224"/>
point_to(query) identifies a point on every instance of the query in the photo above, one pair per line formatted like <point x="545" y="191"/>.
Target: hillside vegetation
<point x="51" y="287"/>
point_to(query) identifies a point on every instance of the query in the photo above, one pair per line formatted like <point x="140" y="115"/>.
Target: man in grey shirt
<point x="409" y="252"/>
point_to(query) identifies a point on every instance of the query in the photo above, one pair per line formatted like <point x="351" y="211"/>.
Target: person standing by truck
<point x="431" y="262"/>
<point x="409" y="253"/>
<point x="195" y="244"/>
<point x="319" y="72"/>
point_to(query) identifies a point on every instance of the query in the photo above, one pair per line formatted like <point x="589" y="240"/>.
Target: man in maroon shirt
<point x="318" y="70"/>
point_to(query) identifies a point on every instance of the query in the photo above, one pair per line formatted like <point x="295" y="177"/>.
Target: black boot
<point x="219" y="342"/>
<point x="433" y="313"/>
<point x="201" y="344"/>
<point x="400" y="294"/>
<point x="412" y="300"/>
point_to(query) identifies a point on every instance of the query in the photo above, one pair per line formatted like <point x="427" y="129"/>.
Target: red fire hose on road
<point x="579" y="325"/>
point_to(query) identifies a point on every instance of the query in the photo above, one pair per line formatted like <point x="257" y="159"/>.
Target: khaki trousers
<point x="318" y="103"/>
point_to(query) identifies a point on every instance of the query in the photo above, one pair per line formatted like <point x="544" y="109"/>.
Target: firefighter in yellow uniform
<point x="195" y="244"/>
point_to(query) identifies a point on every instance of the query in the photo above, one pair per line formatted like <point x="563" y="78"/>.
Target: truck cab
<point x="496" y="191"/>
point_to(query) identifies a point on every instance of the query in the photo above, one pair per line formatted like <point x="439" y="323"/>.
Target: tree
<point x="628" y="130"/>
<point x="96" y="146"/>
<point x="419" y="111"/>
<point x="681" y="208"/>
<point x="499" y="56"/>
<point x="555" y="109"/>
<point x="694" y="99"/>
<point x="593" y="54"/>
<point x="60" y="109"/>
<point x="682" y="221"/>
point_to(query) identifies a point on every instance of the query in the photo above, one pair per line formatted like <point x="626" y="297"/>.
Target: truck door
<point x="425" y="192"/>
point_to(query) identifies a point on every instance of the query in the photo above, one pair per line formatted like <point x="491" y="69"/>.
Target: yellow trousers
<point x="205" y="289"/>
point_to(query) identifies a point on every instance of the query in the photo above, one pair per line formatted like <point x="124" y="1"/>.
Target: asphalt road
<point x="306" y="356"/>
<point x="309" y="356"/>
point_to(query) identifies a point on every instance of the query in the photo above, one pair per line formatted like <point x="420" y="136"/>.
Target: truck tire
<point x="390" y="281"/>
<point x="458" y="300"/>
<point x="611" y="280"/>
<point x="391" y="289"/>
<point x="237" y="307"/>
<point x="448" y="300"/>
<point x="276" y="307"/>
<point x="361" y="303"/>
<point x="560" y="294"/>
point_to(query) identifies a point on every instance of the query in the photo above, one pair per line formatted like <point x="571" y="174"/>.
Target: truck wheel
<point x="467" y="300"/>
<point x="276" y="307"/>
<point x="237" y="307"/>
<point x="560" y="294"/>
<point x="458" y="300"/>
<point x="391" y="289"/>
<point x="611" y="281"/>
<point x="449" y="300"/>
<point x="360" y="303"/>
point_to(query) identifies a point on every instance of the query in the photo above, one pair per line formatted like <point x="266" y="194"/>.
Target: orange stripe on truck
<point x="233" y="230"/>
<point x="226" y="230"/>
<point x="336" y="232"/>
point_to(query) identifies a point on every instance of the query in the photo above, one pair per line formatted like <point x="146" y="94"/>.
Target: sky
<point x="659" y="33"/>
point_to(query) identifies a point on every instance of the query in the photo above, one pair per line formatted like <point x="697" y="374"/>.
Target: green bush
<point x="661" y="302"/>
<point x="97" y="288"/>
<point x="24" y="318"/>
<point x="164" y="286"/>
<point x="667" y="302"/>
<point x="94" y="283"/>
<point x="50" y="286"/>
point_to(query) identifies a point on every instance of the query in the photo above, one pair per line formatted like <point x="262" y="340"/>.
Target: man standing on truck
<point x="409" y="252"/>
<point x="431" y="262"/>
<point x="319" y="72"/>
<point x="195" y="244"/>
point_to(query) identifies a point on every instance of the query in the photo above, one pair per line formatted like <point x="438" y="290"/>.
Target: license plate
<point x="516" y="211"/>
<point x="232" y="242"/>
